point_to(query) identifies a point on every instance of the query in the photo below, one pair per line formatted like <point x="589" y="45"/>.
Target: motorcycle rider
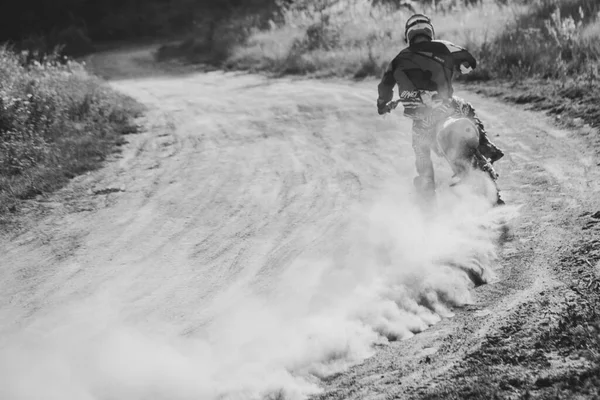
<point x="423" y="72"/>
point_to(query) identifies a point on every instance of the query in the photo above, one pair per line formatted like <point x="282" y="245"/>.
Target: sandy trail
<point x="188" y="267"/>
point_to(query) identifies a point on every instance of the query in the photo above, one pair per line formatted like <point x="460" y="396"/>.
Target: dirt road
<point x="260" y="238"/>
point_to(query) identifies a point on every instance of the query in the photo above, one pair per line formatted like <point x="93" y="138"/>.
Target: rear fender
<point x="458" y="139"/>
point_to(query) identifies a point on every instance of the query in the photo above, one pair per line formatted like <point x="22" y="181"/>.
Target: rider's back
<point x="427" y="65"/>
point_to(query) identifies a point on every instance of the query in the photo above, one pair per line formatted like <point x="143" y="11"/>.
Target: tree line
<point x="113" y="19"/>
<point x="79" y="23"/>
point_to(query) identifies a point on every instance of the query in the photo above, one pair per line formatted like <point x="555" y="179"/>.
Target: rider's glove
<point x="382" y="107"/>
<point x="465" y="68"/>
<point x="427" y="97"/>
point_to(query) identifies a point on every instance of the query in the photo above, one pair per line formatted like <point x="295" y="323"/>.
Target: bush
<point x="554" y="40"/>
<point x="56" y="121"/>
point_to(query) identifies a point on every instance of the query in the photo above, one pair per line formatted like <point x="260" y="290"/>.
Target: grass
<point x="549" y="58"/>
<point x="346" y="38"/>
<point x="554" y="40"/>
<point x="56" y="121"/>
<point x="355" y="40"/>
<point x="551" y="39"/>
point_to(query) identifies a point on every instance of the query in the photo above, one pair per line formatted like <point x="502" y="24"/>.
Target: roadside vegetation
<point x="542" y="52"/>
<point x="56" y="121"/>
<point x="358" y="38"/>
<point x="512" y="38"/>
<point x="549" y="58"/>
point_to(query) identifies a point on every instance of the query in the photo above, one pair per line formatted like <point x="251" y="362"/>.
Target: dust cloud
<point x="395" y="271"/>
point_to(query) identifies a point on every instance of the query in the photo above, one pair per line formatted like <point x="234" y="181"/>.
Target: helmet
<point x="418" y="24"/>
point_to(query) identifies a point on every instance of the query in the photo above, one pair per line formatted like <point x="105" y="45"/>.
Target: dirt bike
<point x="458" y="141"/>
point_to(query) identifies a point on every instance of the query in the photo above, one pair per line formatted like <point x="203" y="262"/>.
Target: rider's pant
<point x="424" y="140"/>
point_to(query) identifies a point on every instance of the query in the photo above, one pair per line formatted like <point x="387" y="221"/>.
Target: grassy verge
<point x="56" y="121"/>
<point x="549" y="348"/>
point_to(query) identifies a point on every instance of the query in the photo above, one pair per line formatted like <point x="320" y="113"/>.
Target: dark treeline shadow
<point x="79" y="25"/>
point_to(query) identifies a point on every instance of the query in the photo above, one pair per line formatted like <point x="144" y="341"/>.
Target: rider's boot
<point x="499" y="202"/>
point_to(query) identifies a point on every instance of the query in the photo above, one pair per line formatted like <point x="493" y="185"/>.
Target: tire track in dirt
<point x="218" y="168"/>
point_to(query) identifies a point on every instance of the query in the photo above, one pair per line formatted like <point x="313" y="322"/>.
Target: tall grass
<point x="556" y="39"/>
<point x="56" y="121"/>
<point x="355" y="37"/>
<point x="512" y="39"/>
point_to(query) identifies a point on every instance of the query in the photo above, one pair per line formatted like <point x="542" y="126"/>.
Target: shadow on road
<point x="138" y="62"/>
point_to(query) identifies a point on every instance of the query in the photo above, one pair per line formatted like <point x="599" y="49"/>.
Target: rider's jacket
<point x="429" y="66"/>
